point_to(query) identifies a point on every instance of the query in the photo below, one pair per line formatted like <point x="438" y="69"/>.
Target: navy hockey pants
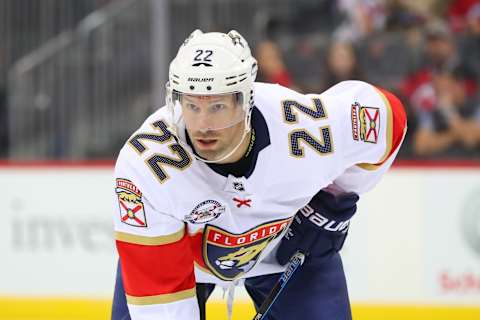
<point x="317" y="292"/>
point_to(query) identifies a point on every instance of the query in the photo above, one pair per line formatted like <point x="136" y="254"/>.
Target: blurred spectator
<point x="470" y="46"/>
<point x="439" y="54"/>
<point x="405" y="19"/>
<point x="457" y="13"/>
<point x="440" y="47"/>
<point x="448" y="119"/>
<point x="271" y="66"/>
<point x="341" y="64"/>
<point x="362" y="18"/>
<point x="405" y="12"/>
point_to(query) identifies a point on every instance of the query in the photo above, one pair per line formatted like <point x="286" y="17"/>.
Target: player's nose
<point x="204" y="122"/>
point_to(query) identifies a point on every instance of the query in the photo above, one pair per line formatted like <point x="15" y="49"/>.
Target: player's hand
<point x="320" y="228"/>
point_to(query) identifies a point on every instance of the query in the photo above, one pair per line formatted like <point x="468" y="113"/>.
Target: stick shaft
<point x="293" y="265"/>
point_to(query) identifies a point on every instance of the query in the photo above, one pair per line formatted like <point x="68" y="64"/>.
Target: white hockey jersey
<point x="180" y="222"/>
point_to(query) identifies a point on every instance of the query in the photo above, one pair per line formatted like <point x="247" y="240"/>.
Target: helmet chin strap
<point x="245" y="132"/>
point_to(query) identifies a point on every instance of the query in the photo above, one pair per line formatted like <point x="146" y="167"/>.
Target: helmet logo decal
<point x="203" y="58"/>
<point x="195" y="79"/>
<point x="236" y="39"/>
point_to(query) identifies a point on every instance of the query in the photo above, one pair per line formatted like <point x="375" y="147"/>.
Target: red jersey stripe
<point x="155" y="270"/>
<point x="197" y="249"/>
<point x="399" y="120"/>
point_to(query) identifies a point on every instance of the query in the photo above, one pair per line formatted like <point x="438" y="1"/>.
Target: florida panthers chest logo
<point x="229" y="255"/>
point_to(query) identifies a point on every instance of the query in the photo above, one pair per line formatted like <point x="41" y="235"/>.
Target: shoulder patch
<point x="132" y="211"/>
<point x="365" y="123"/>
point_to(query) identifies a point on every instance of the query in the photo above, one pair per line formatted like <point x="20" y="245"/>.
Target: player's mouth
<point x="206" y="144"/>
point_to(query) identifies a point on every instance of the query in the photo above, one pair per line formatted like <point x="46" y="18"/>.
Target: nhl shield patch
<point x="365" y="123"/>
<point x="132" y="211"/>
<point x="230" y="255"/>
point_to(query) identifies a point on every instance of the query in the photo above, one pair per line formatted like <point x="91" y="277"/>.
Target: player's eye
<point x="192" y="107"/>
<point x="218" y="107"/>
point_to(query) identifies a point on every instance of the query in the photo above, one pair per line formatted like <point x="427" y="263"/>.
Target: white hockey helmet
<point x="212" y="64"/>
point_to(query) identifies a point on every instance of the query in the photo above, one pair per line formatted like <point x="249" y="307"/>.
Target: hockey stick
<point x="295" y="262"/>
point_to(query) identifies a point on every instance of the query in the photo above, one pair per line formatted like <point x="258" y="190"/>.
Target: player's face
<point x="215" y="123"/>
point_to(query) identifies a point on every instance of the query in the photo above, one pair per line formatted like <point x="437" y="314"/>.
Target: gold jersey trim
<point x="389" y="143"/>
<point x="161" y="298"/>
<point x="149" y="241"/>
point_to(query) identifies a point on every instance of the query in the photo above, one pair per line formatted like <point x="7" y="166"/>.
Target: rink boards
<point x="413" y="250"/>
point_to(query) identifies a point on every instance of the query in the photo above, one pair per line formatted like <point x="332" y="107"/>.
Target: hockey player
<point x="209" y="185"/>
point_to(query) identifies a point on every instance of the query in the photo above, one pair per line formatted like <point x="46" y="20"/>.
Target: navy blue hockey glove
<point x="319" y="229"/>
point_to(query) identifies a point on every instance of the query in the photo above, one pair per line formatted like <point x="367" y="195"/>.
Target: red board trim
<point x="57" y="164"/>
<point x="436" y="164"/>
<point x="107" y="164"/>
